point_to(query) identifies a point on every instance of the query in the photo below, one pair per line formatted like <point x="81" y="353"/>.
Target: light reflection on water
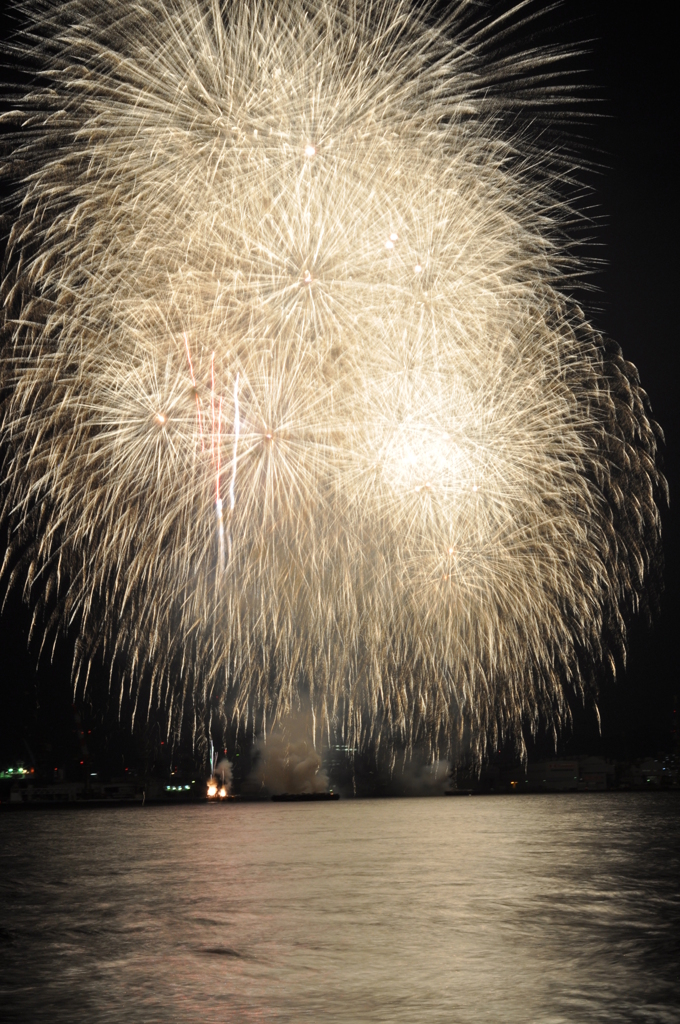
<point x="546" y="909"/>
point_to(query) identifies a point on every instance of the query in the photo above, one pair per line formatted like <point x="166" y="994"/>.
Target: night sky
<point x="631" y="66"/>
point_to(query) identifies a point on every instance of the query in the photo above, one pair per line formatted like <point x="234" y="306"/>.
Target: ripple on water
<point x="558" y="910"/>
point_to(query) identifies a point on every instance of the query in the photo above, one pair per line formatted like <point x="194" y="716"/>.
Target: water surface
<point x="540" y="908"/>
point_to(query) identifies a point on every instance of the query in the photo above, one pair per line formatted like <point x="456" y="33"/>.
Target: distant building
<point x="596" y="773"/>
<point x="576" y="774"/>
<point x="649" y="773"/>
<point x="553" y="776"/>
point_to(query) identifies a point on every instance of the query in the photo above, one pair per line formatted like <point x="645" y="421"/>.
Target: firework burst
<point x="294" y="403"/>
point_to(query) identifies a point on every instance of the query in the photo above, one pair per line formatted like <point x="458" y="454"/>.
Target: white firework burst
<point x="294" y="404"/>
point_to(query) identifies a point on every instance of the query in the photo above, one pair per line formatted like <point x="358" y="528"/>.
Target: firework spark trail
<point x="193" y="384"/>
<point x="234" y="461"/>
<point x="443" y="490"/>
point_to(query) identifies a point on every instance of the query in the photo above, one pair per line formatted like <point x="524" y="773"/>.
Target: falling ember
<point x="193" y="383"/>
<point x="237" y="431"/>
<point x="285" y="536"/>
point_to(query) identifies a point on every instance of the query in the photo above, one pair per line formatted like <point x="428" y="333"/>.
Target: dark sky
<point x="634" y="70"/>
<point x="632" y="65"/>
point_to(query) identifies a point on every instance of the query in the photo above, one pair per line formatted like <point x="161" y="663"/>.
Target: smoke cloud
<point x="429" y="779"/>
<point x="288" y="761"/>
<point x="223" y="773"/>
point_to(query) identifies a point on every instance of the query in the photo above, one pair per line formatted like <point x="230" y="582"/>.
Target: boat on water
<point x="289" y="798"/>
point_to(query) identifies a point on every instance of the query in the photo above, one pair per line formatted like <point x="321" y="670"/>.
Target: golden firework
<point x="294" y="404"/>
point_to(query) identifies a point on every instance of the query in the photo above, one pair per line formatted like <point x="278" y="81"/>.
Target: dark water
<point x="488" y="909"/>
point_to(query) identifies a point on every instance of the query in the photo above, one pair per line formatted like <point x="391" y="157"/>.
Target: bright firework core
<point x="295" y="406"/>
